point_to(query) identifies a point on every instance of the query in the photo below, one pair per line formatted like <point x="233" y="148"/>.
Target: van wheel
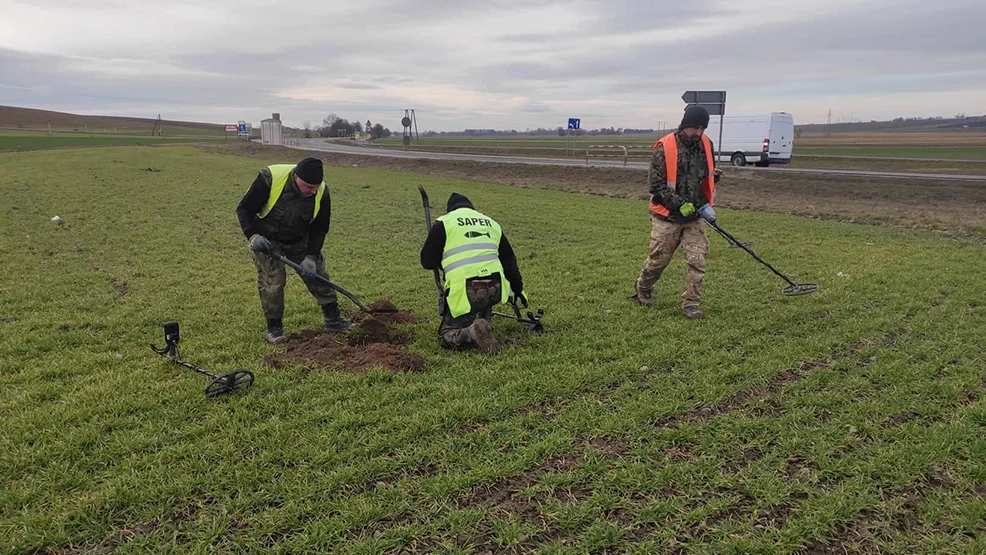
<point x="738" y="159"/>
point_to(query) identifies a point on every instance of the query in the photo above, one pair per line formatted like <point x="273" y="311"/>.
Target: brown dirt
<point x="371" y="343"/>
<point x="952" y="207"/>
<point x="386" y="312"/>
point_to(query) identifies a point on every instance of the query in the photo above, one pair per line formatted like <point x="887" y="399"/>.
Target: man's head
<point x="456" y="201"/>
<point x="694" y="122"/>
<point x="308" y="176"/>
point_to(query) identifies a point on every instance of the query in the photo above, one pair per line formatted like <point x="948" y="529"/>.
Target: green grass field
<point x="640" y="144"/>
<point x="852" y="420"/>
<point x="14" y="141"/>
<point x="942" y="153"/>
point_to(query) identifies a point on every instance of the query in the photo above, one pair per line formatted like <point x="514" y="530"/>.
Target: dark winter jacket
<point x="434" y="247"/>
<point x="289" y="220"/>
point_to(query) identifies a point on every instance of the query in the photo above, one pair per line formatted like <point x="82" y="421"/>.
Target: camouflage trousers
<point x="271" y="278"/>
<point x="453" y="333"/>
<point x="665" y="238"/>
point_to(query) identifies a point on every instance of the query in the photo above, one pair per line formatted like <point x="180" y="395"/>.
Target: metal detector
<point x="226" y="383"/>
<point x="794" y="289"/>
<point x="533" y="321"/>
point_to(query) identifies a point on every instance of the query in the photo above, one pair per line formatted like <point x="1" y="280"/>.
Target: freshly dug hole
<point x="371" y="343"/>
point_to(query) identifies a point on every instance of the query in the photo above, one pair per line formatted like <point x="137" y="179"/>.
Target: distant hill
<point x="29" y="118"/>
<point x="917" y="125"/>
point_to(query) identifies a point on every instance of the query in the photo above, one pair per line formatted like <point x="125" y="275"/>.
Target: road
<point x="323" y="145"/>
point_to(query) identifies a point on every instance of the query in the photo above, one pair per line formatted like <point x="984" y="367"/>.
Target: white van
<point x="760" y="139"/>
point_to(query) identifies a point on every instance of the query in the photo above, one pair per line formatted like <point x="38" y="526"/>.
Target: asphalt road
<point x="322" y="145"/>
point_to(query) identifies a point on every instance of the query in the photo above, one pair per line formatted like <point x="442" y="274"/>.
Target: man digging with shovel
<point x="476" y="257"/>
<point x="287" y="211"/>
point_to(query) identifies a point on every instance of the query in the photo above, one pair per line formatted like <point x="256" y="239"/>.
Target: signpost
<point x="714" y="102"/>
<point x="241" y="128"/>
<point x="227" y="129"/>
<point x="573" y="128"/>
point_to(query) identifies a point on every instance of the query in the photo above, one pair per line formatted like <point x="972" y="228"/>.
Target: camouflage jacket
<point x="692" y="169"/>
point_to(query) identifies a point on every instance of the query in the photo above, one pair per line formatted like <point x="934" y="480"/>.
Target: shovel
<point x="349" y="295"/>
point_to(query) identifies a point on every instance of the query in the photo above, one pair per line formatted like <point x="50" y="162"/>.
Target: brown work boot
<point x="693" y="313"/>
<point x="644" y="297"/>
<point x="481" y="333"/>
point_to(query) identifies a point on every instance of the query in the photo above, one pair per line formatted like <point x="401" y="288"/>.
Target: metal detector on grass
<point x="533" y="321"/>
<point x="793" y="289"/>
<point x="226" y="383"/>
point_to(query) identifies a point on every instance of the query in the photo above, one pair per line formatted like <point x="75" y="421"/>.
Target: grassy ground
<point x="953" y="146"/>
<point x="943" y="153"/>
<point x="38" y="141"/>
<point x="849" y="420"/>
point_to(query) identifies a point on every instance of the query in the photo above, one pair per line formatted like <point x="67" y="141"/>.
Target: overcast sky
<point x="492" y="63"/>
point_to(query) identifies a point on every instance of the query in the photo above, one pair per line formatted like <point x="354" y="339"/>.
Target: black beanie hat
<point x="695" y="116"/>
<point x="458" y="201"/>
<point x="310" y="171"/>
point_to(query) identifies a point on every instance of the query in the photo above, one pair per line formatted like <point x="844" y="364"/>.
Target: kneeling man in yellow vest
<point x="476" y="259"/>
<point x="287" y="210"/>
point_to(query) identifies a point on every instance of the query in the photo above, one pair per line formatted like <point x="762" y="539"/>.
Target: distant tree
<point x="561" y="131"/>
<point x="308" y="130"/>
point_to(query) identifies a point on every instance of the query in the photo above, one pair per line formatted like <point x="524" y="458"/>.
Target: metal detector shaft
<point x="196" y="368"/>
<point x="349" y="295"/>
<point x="171" y="352"/>
<point x="726" y="234"/>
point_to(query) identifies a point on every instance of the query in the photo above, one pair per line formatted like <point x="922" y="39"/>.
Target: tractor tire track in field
<point x="502" y="497"/>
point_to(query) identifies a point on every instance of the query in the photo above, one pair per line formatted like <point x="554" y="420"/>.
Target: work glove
<point x="687" y="209"/>
<point x="515" y="297"/>
<point x="707" y="213"/>
<point x="308" y="268"/>
<point x="259" y="243"/>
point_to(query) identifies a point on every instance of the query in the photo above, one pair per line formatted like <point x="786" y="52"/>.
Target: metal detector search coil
<point x="226" y="383"/>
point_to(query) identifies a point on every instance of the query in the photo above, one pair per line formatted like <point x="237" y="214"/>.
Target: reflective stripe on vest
<point x="670" y="144"/>
<point x="472" y="242"/>
<point x="279" y="174"/>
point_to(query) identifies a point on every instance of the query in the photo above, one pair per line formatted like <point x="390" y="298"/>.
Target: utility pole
<point x="828" y="131"/>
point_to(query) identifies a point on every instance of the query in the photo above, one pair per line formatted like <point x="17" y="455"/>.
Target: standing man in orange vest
<point x="682" y="186"/>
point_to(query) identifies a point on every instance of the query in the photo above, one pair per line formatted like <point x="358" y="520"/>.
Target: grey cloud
<point x="380" y="55"/>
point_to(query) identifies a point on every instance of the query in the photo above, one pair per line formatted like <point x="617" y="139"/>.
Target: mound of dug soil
<point x="371" y="343"/>
<point x="386" y="312"/>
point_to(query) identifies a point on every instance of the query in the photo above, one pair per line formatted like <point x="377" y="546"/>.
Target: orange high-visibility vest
<point x="671" y="159"/>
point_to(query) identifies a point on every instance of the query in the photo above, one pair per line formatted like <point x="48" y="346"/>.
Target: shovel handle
<point x="349" y="295"/>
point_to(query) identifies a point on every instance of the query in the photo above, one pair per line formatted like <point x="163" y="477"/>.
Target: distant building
<point x="271" y="131"/>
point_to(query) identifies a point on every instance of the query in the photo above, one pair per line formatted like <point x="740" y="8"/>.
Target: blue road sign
<point x="573" y="123"/>
<point x="241" y="128"/>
